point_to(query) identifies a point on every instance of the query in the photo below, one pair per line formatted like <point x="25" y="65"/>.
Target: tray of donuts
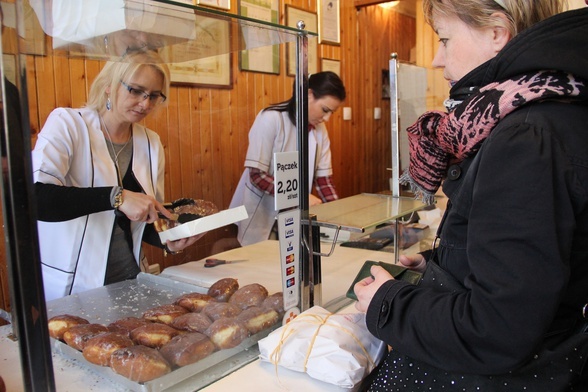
<point x="197" y="336"/>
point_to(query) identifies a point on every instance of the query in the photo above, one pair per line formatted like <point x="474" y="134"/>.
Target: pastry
<point x="78" y="335"/>
<point x="257" y="319"/>
<point x="251" y="295"/>
<point x="194" y="302"/>
<point x="192" y="322"/>
<point x="59" y="324"/>
<point x="187" y="348"/>
<point x="164" y="313"/>
<point x="222" y="289"/>
<point x="125" y="325"/>
<point x="227" y="332"/>
<point x="99" y="348"/>
<point x="275" y="302"/>
<point x="153" y="335"/>
<point x="139" y="363"/>
<point x="216" y="310"/>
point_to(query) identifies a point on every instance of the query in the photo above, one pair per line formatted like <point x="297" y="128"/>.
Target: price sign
<point x="286" y="180"/>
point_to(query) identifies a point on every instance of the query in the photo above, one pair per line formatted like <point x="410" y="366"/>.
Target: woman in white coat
<point x="99" y="179"/>
<point x="274" y="130"/>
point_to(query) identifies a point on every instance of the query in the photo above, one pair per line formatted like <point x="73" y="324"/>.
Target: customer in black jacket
<point x="500" y="306"/>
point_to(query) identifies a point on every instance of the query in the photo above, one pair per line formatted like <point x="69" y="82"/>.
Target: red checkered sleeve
<point x="262" y="180"/>
<point x="326" y="189"/>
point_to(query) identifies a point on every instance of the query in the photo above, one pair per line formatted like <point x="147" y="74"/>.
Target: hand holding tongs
<point x="209" y="263"/>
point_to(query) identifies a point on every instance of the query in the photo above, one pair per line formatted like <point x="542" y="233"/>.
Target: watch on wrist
<point x="118" y="198"/>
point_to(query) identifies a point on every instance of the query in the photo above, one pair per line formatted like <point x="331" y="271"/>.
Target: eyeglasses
<point x="155" y="98"/>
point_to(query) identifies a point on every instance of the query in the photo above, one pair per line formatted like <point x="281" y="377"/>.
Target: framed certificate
<point x="293" y="15"/>
<point x="329" y="22"/>
<point x="264" y="59"/>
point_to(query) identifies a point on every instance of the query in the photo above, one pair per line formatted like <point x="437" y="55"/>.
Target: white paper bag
<point x="334" y="348"/>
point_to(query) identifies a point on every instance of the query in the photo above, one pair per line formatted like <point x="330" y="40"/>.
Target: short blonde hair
<point x="521" y="14"/>
<point x="115" y="71"/>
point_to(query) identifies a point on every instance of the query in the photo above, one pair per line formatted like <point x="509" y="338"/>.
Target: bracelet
<point x="168" y="251"/>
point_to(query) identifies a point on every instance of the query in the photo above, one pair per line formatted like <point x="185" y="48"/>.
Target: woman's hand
<point x="366" y="288"/>
<point x="413" y="262"/>
<point x="140" y="207"/>
<point x="183" y="243"/>
<point x="313" y="200"/>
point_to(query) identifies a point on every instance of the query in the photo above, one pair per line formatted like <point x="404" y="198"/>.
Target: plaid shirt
<point x="265" y="183"/>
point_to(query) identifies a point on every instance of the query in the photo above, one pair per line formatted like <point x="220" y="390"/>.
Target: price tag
<point x="289" y="230"/>
<point x="286" y="180"/>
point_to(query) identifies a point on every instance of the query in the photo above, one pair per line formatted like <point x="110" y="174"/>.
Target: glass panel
<point x="181" y="32"/>
<point x="360" y="212"/>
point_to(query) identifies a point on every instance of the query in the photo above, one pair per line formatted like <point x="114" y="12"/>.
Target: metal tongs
<point x="183" y="217"/>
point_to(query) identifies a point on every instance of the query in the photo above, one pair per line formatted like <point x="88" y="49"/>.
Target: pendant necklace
<point x="114" y="153"/>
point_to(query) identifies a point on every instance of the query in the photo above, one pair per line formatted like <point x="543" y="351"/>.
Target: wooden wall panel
<point x="205" y="131"/>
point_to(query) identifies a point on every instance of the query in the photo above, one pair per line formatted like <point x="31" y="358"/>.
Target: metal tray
<point x="131" y="298"/>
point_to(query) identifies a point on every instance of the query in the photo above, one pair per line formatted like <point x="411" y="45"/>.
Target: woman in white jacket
<point x="274" y="130"/>
<point x="99" y="179"/>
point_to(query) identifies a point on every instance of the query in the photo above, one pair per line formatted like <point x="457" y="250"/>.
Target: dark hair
<point x="322" y="84"/>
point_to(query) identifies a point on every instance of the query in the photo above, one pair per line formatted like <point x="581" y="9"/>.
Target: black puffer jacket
<point x="516" y="231"/>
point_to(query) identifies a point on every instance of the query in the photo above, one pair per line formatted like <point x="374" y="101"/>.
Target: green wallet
<point x="397" y="271"/>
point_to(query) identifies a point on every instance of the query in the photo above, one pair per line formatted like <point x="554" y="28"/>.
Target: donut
<point x="192" y="322"/>
<point x="125" y="325"/>
<point x="257" y="319"/>
<point x="59" y="324"/>
<point x="216" y="310"/>
<point x="251" y="295"/>
<point x="222" y="289"/>
<point x="139" y="363"/>
<point x="227" y="332"/>
<point x="99" y="348"/>
<point x="275" y="302"/>
<point x="187" y="348"/>
<point x="164" y="313"/>
<point x="153" y="335"/>
<point x="194" y="302"/>
<point x="78" y="335"/>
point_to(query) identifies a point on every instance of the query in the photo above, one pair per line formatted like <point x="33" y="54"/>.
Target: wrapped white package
<point x="334" y="348"/>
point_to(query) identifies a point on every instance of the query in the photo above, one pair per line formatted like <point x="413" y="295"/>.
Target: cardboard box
<point x="206" y="223"/>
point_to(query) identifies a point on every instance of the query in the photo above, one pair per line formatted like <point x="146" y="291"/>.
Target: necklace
<point x="115" y="154"/>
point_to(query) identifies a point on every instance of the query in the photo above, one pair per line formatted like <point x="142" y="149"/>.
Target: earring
<point x="108" y="104"/>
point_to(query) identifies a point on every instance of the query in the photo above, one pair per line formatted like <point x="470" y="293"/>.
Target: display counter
<point x="259" y="264"/>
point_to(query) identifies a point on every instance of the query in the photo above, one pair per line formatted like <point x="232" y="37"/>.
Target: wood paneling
<point x="204" y="131"/>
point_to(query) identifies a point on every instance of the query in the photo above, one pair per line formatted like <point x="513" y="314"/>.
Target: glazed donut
<point x="78" y="335"/>
<point x="194" y="302"/>
<point x="187" y="348"/>
<point x="227" y="332"/>
<point x="59" y="324"/>
<point x="99" y="348"/>
<point x="139" y="363"/>
<point x="275" y="302"/>
<point x="222" y="289"/>
<point x="257" y="319"/>
<point x="153" y="335"/>
<point x="251" y="295"/>
<point x="216" y="310"/>
<point x="164" y="313"/>
<point x="125" y="325"/>
<point x="192" y="322"/>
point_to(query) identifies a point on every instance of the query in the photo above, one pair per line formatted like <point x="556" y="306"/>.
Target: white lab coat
<point x="271" y="132"/>
<point x="71" y="151"/>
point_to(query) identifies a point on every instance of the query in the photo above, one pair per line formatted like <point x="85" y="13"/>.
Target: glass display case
<point x="104" y="30"/>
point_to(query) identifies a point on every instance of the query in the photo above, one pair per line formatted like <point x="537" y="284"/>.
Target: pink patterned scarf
<point x="439" y="139"/>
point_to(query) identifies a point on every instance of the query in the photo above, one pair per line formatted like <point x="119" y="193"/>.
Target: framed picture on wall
<point x="265" y="59"/>
<point x="385" y="84"/>
<point x="293" y="15"/>
<point x="222" y="4"/>
<point x="331" y="65"/>
<point x="329" y="22"/>
<point x="213" y="65"/>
